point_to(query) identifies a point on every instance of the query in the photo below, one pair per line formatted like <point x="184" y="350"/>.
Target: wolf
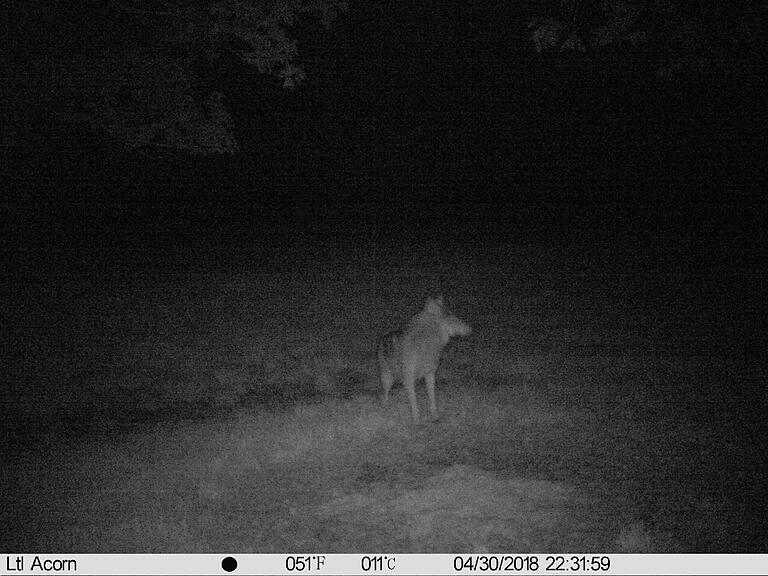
<point x="413" y="352"/>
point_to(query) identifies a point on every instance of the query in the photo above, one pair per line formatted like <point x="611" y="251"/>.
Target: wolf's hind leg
<point x="409" y="383"/>
<point x="387" y="379"/>
<point x="429" y="379"/>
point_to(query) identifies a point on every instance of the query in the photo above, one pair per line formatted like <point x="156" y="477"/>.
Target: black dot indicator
<point x="229" y="564"/>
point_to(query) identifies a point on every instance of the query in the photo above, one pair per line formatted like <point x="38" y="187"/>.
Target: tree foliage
<point x="145" y="75"/>
<point x="693" y="35"/>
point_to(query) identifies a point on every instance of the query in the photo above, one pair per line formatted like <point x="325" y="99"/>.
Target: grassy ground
<point x="205" y="412"/>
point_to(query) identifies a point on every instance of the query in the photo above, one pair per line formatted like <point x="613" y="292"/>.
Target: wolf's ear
<point x="434" y="304"/>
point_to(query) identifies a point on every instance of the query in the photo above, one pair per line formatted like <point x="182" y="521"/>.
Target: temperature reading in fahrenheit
<point x="377" y="563"/>
<point x="304" y="563"/>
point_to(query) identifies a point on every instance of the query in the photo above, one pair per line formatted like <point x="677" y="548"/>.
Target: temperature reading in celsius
<point x="377" y="563"/>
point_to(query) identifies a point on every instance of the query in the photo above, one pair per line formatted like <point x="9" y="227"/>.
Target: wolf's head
<point x="453" y="325"/>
